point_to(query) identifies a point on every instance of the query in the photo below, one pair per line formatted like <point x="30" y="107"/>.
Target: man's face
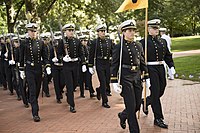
<point x="154" y="31"/>
<point x="69" y="33"/>
<point x="84" y="42"/>
<point x="46" y="40"/>
<point x="2" y="40"/>
<point x="32" y="34"/>
<point x="129" y="34"/>
<point x="16" y="43"/>
<point x="102" y="33"/>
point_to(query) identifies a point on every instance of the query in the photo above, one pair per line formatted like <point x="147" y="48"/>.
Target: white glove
<point x="11" y="62"/>
<point x="55" y="59"/>
<point x="94" y="67"/>
<point x="148" y="84"/>
<point x="84" y="69"/>
<point x="67" y="58"/>
<point x="91" y="70"/>
<point x="0" y="52"/>
<point x="6" y="54"/>
<point x="117" y="87"/>
<point x="172" y="70"/>
<point x="22" y="74"/>
<point x="48" y="69"/>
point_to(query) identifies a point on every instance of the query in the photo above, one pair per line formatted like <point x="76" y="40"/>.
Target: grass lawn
<point x="185" y="43"/>
<point x="189" y="65"/>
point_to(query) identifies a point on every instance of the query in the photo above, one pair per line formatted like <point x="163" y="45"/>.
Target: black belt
<point x="104" y="57"/>
<point x="31" y="63"/>
<point x="133" y="68"/>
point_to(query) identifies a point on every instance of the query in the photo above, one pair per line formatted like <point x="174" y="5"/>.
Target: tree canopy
<point x="181" y="17"/>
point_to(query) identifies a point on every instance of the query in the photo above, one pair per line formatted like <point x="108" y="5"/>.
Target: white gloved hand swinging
<point x="55" y="59"/>
<point x="84" y="69"/>
<point x="11" y="62"/>
<point x="22" y="74"/>
<point x="148" y="84"/>
<point x="117" y="87"/>
<point x="6" y="54"/>
<point x="91" y="70"/>
<point x="48" y="69"/>
<point x="67" y="58"/>
<point x="173" y="71"/>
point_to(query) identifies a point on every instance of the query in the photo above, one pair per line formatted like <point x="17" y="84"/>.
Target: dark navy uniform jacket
<point x="132" y="58"/>
<point x="100" y="49"/>
<point x="157" y="50"/>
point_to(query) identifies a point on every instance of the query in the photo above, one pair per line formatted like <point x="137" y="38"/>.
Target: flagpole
<point x="145" y="89"/>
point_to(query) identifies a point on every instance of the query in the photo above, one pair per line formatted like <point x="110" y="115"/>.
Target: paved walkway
<point x="186" y="53"/>
<point x="180" y="104"/>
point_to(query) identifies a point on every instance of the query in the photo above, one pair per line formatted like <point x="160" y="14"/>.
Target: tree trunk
<point x="10" y="16"/>
<point x="31" y="8"/>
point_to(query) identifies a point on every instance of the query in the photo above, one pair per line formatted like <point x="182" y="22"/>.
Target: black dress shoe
<point x="4" y="88"/>
<point x="26" y="105"/>
<point x="160" y="123"/>
<point x="19" y="98"/>
<point x="92" y="95"/>
<point x="98" y="93"/>
<point x="105" y="105"/>
<point x="59" y="101"/>
<point x="82" y="96"/>
<point x="108" y="94"/>
<point x="61" y="96"/>
<point x="146" y="112"/>
<point x="72" y="109"/>
<point x="47" y="95"/>
<point x="36" y="118"/>
<point x="122" y="121"/>
<point x="11" y="93"/>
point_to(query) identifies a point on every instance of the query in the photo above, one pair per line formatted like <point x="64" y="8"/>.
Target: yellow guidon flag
<point x="132" y="4"/>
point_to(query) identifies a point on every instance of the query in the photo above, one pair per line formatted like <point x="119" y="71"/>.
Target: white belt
<point x="58" y="64"/>
<point x="74" y="59"/>
<point x="156" y="63"/>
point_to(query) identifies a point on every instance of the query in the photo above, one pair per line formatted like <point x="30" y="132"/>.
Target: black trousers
<point x="16" y="81"/>
<point x="3" y="74"/>
<point x="132" y="94"/>
<point x="12" y="77"/>
<point x="45" y="83"/>
<point x="24" y="90"/>
<point x="34" y="77"/>
<point x="9" y="71"/>
<point x="85" y="80"/>
<point x="58" y="80"/>
<point x="103" y="73"/>
<point x="70" y="70"/>
<point x="158" y="84"/>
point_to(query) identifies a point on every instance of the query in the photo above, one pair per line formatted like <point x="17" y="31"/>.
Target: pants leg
<point x="24" y="93"/>
<point x="45" y="84"/>
<point x="81" y="81"/>
<point x="129" y="96"/>
<point x="56" y="81"/>
<point x="33" y="94"/>
<point x="38" y="80"/>
<point x="155" y="90"/>
<point x="3" y="76"/>
<point x="8" y="72"/>
<point x="89" y="81"/>
<point x="102" y="79"/>
<point x="108" y="78"/>
<point x="69" y="85"/>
